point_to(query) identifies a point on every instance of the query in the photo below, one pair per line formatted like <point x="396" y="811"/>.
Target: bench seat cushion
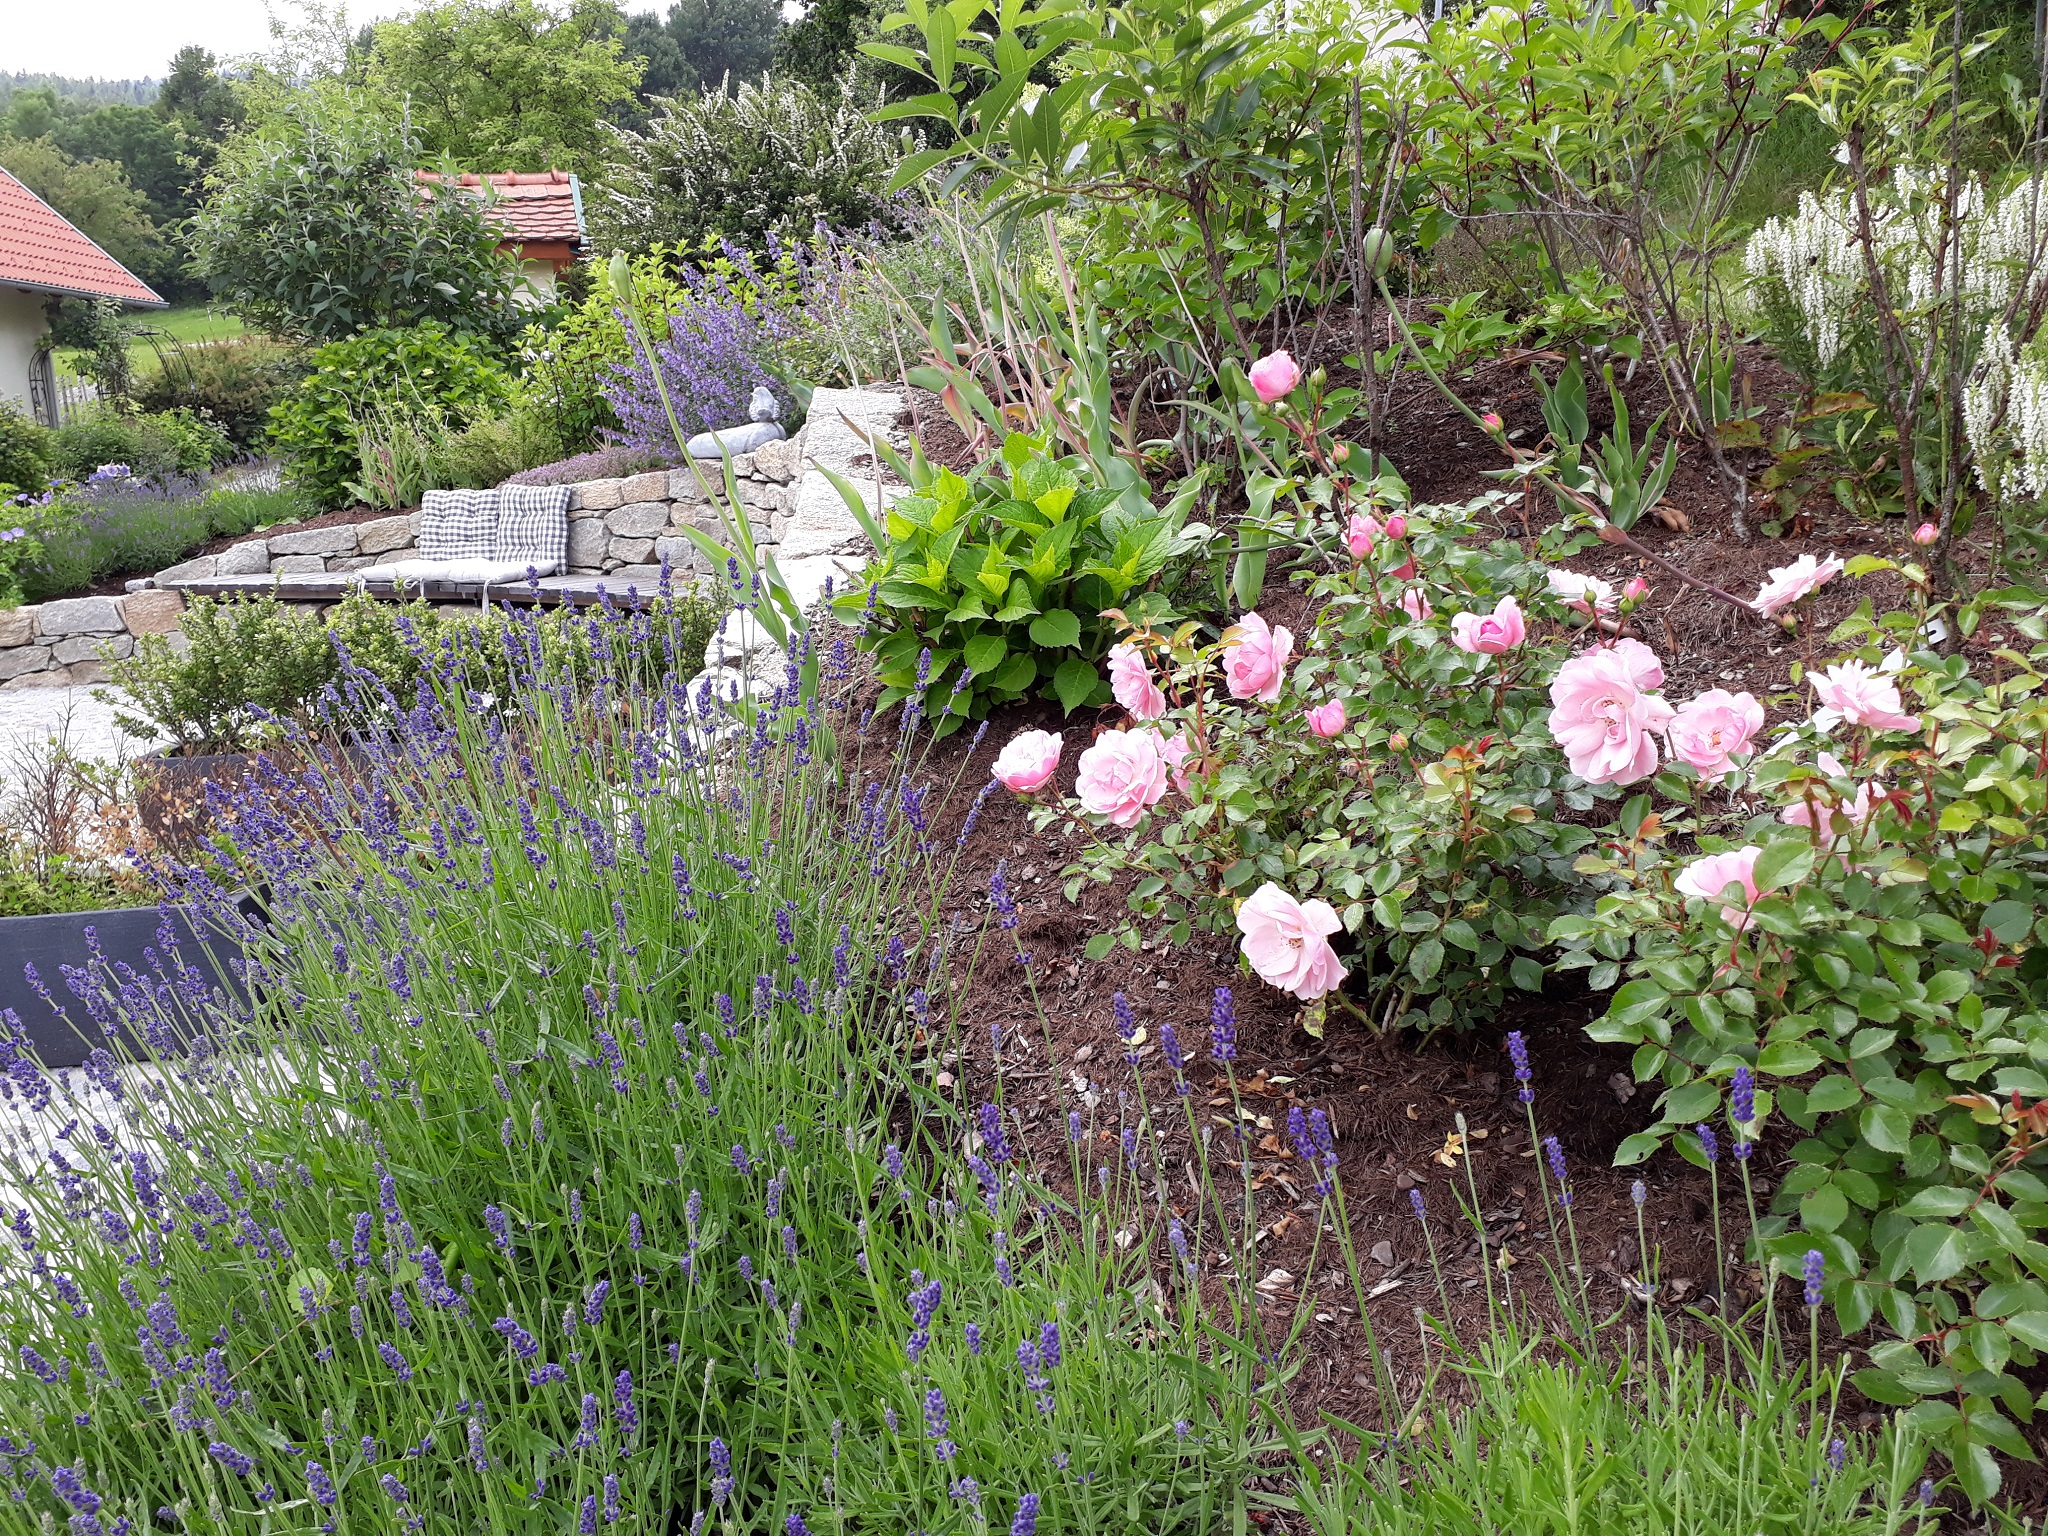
<point x="533" y="527"/>
<point x="496" y="572"/>
<point x="458" y="525"/>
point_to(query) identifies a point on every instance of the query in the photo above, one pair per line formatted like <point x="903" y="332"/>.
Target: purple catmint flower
<point x="1518" y="1053"/>
<point x="1815" y="1268"/>
<point x="1223" y="1026"/>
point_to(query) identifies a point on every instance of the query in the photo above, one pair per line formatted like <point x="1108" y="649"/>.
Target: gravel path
<point x="29" y="717"/>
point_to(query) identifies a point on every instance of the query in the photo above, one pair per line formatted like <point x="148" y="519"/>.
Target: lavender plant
<point x="549" y="1163"/>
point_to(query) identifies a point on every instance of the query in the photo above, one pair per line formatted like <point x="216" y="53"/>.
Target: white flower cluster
<point x="1811" y="259"/>
<point x="2005" y="414"/>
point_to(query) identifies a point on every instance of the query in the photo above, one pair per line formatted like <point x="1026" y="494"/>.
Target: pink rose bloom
<point x="1823" y="814"/>
<point x="1255" y="662"/>
<point x="1604" y="716"/>
<point x="1173" y="752"/>
<point x="1130" y="679"/>
<point x="1490" y="634"/>
<point x="1587" y="594"/>
<point x="1926" y="533"/>
<point x="1397" y="527"/>
<point x="1708" y="877"/>
<point x="1358" y="538"/>
<point x="1862" y="695"/>
<point x="1404" y="571"/>
<point x="1415" y="605"/>
<point x="1789" y="583"/>
<point x="1122" y="776"/>
<point x="1327" y="720"/>
<point x="1637" y="587"/>
<point x="1638" y="658"/>
<point x="1027" y="761"/>
<point x="1709" y="729"/>
<point x="1275" y="375"/>
<point x="1287" y="942"/>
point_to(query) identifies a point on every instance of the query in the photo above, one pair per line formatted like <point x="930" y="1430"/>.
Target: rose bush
<point x="1882" y="985"/>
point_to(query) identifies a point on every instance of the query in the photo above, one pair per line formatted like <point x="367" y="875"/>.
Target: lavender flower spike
<point x="1518" y="1053"/>
<point x="1815" y="1269"/>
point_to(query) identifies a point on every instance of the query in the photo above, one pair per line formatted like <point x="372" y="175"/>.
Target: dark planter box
<point x="53" y="942"/>
<point x="170" y="793"/>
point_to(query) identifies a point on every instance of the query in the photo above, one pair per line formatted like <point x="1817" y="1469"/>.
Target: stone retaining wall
<point x="624" y="528"/>
<point x="52" y="645"/>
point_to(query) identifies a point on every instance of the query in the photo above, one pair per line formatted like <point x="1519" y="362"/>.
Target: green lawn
<point x="181" y="324"/>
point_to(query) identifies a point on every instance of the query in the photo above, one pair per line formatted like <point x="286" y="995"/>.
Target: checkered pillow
<point x="458" y="525"/>
<point x="533" y="526"/>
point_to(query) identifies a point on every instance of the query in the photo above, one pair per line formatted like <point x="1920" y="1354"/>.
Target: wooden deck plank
<point x="576" y="591"/>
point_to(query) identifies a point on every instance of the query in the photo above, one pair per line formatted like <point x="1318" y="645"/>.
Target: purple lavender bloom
<point x="973" y="1335"/>
<point x="1049" y="1344"/>
<point x="1415" y="1204"/>
<point x="319" y="1486"/>
<point x="1126" y="1027"/>
<point x="1815" y="1268"/>
<point x="1708" y="1144"/>
<point x="611" y="1498"/>
<point x="231" y="1458"/>
<point x="721" y="1473"/>
<point x="65" y="1483"/>
<point x="524" y="1345"/>
<point x="1838" y="1454"/>
<point x="624" y="1408"/>
<point x="1639" y="1192"/>
<point x="1518" y="1053"/>
<point x="1554" y="1154"/>
<point x="1223" y="1026"/>
<point x="389" y="1354"/>
<point x="501" y="1231"/>
<point x="1169" y="1044"/>
<point x="586" y="1522"/>
<point x="1026" y="1523"/>
<point x="1000" y="898"/>
<point x="1742" y="1097"/>
<point x="593" y="1304"/>
<point x="992" y="1134"/>
<point x="1074" y="1125"/>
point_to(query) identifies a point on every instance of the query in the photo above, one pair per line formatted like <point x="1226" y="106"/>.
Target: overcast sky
<point x="128" y="39"/>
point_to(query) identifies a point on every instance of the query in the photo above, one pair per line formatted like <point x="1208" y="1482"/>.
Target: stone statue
<point x="764" y="426"/>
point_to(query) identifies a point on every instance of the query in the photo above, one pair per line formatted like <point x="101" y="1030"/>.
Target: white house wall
<point x="22" y="325"/>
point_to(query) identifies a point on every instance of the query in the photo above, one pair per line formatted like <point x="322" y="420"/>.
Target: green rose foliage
<point x="1431" y="823"/>
<point x="424" y="372"/>
<point x="991" y="586"/>
<point x="1889" y="989"/>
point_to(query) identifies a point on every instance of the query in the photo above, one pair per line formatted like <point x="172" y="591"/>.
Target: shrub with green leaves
<point x="232" y="384"/>
<point x="106" y="436"/>
<point x="990" y="586"/>
<point x="1873" y="974"/>
<point x="25" y="452"/>
<point x="423" y="370"/>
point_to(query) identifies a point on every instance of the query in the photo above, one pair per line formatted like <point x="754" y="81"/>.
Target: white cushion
<point x="496" y="572"/>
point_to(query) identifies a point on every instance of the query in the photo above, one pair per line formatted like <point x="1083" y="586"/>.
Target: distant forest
<point x="132" y="93"/>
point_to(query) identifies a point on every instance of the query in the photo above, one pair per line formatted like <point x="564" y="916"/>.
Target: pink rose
<point x="1275" y="375"/>
<point x="1491" y="421"/>
<point x="1397" y="527"/>
<point x="1789" y="583"/>
<point x="1327" y="720"/>
<point x="1604" y="716"/>
<point x="1358" y="538"/>
<point x="1588" y="594"/>
<point x="1820" y="809"/>
<point x="1639" y="659"/>
<point x="1130" y="679"/>
<point x="1637" y="588"/>
<point x="1121" y="776"/>
<point x="1287" y="942"/>
<point x="1255" y="658"/>
<point x="1926" y="533"/>
<point x="1708" y="877"/>
<point x="1173" y="752"/>
<point x="1405" y="571"/>
<point x="1415" y="605"/>
<point x="1490" y="634"/>
<point x="1862" y="695"/>
<point x="1027" y="761"/>
<point x="1707" y="730"/>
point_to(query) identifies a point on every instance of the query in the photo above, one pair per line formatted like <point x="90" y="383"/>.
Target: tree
<point x="151" y="152"/>
<point x="197" y="98"/>
<point x="507" y="85"/>
<point x="314" y="227"/>
<point x="95" y="196"/>
<point x="705" y="45"/>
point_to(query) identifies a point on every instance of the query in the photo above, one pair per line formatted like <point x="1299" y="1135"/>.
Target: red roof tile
<point x="531" y="206"/>
<point x="40" y="249"/>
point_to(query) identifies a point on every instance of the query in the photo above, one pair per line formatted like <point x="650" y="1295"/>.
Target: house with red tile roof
<point x="541" y="213"/>
<point x="44" y="256"/>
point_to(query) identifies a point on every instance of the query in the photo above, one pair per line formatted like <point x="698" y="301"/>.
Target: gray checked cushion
<point x="533" y="527"/>
<point x="458" y="525"/>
